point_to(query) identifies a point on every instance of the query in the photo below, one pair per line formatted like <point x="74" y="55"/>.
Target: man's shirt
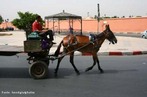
<point x="36" y="26"/>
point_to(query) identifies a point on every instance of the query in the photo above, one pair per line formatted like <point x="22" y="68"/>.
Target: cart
<point x="37" y="46"/>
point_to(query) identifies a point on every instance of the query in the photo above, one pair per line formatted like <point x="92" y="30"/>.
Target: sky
<point x="9" y="8"/>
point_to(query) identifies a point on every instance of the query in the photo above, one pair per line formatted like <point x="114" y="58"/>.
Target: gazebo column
<point x="47" y="23"/>
<point x="53" y="24"/>
<point x="69" y="23"/>
<point x="72" y="23"/>
<point x="81" y="27"/>
<point x="59" y="26"/>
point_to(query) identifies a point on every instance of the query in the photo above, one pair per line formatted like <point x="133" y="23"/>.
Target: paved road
<point x="124" y="76"/>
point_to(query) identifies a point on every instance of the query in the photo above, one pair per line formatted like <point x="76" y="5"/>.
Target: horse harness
<point x="91" y="41"/>
<point x="72" y="40"/>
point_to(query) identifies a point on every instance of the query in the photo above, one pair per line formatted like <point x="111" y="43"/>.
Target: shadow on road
<point x="112" y="71"/>
<point x="62" y="73"/>
<point x="24" y="73"/>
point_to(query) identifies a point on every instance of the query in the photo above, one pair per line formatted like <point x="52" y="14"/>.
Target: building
<point x="4" y="25"/>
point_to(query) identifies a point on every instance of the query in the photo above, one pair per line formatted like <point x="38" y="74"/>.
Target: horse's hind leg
<point x="57" y="67"/>
<point x="72" y="62"/>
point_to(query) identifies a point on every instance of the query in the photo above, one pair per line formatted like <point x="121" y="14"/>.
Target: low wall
<point x="121" y="25"/>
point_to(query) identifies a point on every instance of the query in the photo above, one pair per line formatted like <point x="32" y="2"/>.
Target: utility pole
<point x="98" y="18"/>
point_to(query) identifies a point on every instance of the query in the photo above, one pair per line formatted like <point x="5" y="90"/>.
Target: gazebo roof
<point x="64" y="15"/>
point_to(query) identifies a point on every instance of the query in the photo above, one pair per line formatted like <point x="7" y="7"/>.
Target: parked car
<point x="9" y="29"/>
<point x="144" y="34"/>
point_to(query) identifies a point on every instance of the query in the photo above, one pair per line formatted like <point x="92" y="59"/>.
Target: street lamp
<point x="98" y="18"/>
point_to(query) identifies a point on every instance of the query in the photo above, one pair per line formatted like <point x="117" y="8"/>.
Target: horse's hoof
<point x="55" y="74"/>
<point x="88" y="69"/>
<point x="101" y="71"/>
<point x="78" y="73"/>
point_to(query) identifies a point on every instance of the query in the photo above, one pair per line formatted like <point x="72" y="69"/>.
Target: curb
<point x="113" y="53"/>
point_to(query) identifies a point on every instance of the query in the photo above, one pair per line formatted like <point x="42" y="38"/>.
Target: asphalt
<point x="11" y="44"/>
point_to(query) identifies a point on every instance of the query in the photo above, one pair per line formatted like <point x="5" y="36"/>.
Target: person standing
<point x="71" y="30"/>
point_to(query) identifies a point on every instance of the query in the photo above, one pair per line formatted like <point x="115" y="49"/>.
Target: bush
<point x="25" y="21"/>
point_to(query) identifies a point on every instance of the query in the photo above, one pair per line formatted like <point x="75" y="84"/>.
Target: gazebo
<point x="64" y="16"/>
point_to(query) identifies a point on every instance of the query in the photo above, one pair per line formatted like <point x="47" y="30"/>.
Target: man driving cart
<point x="37" y="27"/>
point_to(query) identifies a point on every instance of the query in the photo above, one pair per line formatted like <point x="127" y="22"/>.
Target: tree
<point x="1" y="19"/>
<point x="96" y="17"/>
<point x="123" y="17"/>
<point x="138" y="16"/>
<point x="115" y="17"/>
<point x="25" y="21"/>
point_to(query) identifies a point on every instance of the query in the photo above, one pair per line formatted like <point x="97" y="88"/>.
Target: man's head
<point x="38" y="18"/>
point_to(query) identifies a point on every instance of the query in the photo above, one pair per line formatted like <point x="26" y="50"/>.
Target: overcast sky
<point x="9" y="8"/>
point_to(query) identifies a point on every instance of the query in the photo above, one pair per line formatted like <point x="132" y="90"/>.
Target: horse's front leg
<point x="57" y="67"/>
<point x="98" y="63"/>
<point x="72" y="63"/>
<point x="94" y="62"/>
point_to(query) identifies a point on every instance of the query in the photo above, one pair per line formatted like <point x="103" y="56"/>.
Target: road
<point x="124" y="76"/>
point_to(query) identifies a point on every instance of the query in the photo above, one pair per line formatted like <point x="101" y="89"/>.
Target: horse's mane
<point x="99" y="35"/>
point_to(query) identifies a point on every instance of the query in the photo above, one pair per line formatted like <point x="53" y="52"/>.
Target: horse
<point x="83" y="44"/>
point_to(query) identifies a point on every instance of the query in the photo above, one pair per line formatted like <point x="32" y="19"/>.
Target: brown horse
<point x="82" y="44"/>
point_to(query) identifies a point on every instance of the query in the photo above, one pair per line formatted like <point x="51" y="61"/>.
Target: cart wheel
<point x="38" y="70"/>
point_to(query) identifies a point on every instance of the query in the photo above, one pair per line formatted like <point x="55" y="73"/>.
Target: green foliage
<point x="115" y="17"/>
<point x="25" y="21"/>
<point x="1" y="19"/>
<point x="96" y="17"/>
<point x="138" y="16"/>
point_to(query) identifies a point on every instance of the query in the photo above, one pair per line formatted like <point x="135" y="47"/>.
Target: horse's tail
<point x="57" y="52"/>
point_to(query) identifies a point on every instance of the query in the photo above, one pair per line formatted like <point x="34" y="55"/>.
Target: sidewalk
<point x="125" y="45"/>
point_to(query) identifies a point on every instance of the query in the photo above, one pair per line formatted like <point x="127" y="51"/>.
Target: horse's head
<point x="109" y="35"/>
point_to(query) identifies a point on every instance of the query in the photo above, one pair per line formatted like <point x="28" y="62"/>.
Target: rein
<point x="70" y="52"/>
